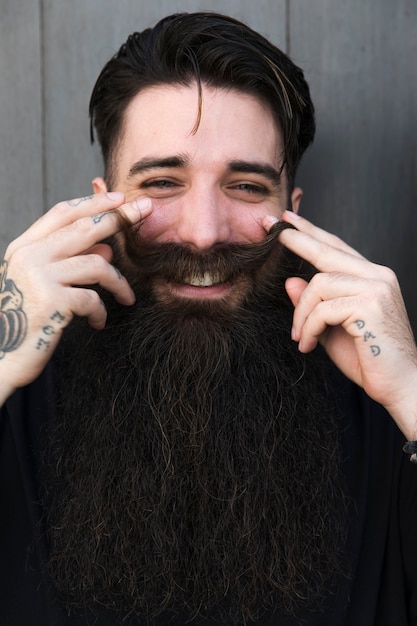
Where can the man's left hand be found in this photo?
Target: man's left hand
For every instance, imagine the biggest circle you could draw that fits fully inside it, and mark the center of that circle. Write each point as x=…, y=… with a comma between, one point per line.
x=355, y=309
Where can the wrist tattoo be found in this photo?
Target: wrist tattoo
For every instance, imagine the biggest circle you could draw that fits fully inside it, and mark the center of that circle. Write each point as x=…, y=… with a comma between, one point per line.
x=13, y=320
x=368, y=336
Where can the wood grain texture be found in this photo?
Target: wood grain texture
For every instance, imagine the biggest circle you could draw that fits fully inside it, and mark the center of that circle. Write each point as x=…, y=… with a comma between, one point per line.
x=360, y=177
x=21, y=160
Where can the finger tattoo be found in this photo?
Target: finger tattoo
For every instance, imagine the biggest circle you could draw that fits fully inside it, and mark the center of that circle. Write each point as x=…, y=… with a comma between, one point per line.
x=367, y=336
x=44, y=341
x=77, y=201
x=97, y=218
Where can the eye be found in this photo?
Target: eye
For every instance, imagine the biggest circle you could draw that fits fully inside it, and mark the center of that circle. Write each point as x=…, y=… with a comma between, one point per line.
x=161, y=183
x=251, y=188
x=251, y=192
x=160, y=187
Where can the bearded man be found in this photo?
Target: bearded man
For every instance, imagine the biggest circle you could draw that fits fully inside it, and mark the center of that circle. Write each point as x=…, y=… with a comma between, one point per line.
x=190, y=453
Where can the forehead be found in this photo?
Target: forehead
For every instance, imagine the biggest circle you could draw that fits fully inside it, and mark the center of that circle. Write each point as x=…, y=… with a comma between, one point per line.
x=222, y=125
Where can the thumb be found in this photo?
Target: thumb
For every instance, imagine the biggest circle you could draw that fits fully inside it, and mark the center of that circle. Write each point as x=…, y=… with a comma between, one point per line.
x=294, y=287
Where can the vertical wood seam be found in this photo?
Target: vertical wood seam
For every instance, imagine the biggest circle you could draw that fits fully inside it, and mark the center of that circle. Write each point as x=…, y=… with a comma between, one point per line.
x=42, y=80
x=287, y=28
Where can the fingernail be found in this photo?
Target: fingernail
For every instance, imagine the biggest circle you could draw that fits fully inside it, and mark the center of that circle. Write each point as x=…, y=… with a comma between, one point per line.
x=292, y=215
x=116, y=196
x=269, y=221
x=142, y=204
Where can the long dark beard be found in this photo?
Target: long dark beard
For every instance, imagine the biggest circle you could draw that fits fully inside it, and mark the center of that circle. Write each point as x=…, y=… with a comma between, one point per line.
x=193, y=468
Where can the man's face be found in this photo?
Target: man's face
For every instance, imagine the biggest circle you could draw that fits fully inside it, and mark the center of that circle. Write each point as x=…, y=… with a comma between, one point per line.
x=210, y=184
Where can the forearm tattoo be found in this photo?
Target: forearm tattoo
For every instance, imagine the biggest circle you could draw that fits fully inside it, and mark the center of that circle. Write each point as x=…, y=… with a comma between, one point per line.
x=368, y=336
x=13, y=320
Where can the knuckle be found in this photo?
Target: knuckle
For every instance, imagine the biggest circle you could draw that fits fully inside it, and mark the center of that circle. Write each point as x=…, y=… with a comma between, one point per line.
x=35, y=276
x=14, y=247
x=10, y=250
x=81, y=228
x=336, y=241
x=96, y=263
x=318, y=280
x=18, y=255
x=90, y=299
x=376, y=300
x=388, y=275
x=81, y=225
x=61, y=208
x=322, y=252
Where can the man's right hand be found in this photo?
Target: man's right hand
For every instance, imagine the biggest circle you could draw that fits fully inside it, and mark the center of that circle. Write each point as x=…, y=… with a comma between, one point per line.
x=42, y=278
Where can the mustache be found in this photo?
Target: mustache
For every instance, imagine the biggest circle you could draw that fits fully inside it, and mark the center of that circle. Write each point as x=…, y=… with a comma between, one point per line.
x=177, y=262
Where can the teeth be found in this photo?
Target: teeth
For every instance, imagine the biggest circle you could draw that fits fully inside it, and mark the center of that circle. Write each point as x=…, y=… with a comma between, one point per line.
x=205, y=280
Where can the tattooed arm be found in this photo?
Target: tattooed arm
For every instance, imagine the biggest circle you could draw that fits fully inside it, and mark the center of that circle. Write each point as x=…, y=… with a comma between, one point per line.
x=354, y=308
x=41, y=280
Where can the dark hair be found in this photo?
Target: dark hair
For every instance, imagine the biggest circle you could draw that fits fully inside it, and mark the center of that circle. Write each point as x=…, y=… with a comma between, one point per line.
x=207, y=48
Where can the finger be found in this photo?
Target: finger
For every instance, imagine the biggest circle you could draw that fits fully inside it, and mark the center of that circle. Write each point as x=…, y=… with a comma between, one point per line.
x=67, y=212
x=335, y=312
x=327, y=287
x=103, y=250
x=320, y=234
x=325, y=257
x=294, y=287
x=87, y=303
x=79, y=236
x=93, y=269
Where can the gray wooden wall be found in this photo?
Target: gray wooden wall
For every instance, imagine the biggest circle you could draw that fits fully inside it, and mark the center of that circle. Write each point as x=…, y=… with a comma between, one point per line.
x=360, y=57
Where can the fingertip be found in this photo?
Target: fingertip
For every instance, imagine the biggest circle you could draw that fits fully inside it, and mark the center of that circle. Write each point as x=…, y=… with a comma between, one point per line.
x=292, y=283
x=294, y=286
x=103, y=249
x=98, y=323
x=116, y=196
x=268, y=221
x=142, y=206
x=291, y=216
x=302, y=347
x=129, y=299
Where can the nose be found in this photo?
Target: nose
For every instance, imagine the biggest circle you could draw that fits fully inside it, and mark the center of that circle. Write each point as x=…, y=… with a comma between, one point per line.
x=203, y=219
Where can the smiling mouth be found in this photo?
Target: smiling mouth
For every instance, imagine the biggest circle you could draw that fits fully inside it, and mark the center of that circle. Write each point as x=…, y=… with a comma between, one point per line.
x=202, y=285
x=204, y=280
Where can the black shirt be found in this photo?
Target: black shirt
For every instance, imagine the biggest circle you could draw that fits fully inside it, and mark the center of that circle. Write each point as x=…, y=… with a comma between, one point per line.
x=382, y=542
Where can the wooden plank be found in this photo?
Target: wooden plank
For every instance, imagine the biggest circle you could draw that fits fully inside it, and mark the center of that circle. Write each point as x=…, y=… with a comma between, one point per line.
x=79, y=38
x=360, y=178
x=20, y=118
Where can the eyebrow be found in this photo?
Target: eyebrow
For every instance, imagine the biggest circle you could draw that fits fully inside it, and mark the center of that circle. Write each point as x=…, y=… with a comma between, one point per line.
x=157, y=163
x=246, y=167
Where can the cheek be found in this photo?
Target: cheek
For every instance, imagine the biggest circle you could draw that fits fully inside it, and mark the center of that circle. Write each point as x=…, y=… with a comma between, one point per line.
x=249, y=231
x=159, y=226
x=244, y=223
x=247, y=225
